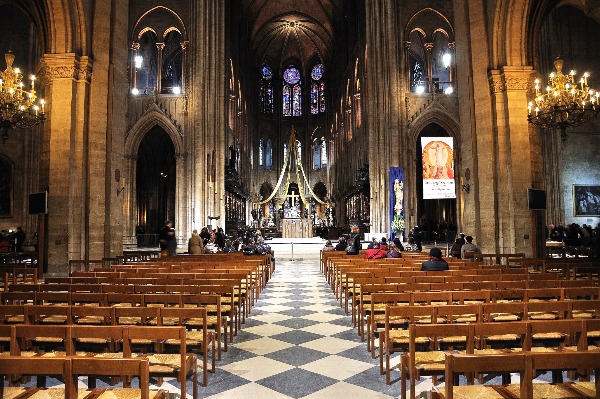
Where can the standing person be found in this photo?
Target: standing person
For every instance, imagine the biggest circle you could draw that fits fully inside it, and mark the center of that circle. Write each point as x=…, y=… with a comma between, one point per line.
x=195, y=244
x=418, y=237
x=435, y=262
x=166, y=238
x=20, y=239
x=353, y=241
x=205, y=235
x=220, y=238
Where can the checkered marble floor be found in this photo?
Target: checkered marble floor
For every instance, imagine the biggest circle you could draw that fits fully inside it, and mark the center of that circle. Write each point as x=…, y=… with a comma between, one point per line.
x=298, y=343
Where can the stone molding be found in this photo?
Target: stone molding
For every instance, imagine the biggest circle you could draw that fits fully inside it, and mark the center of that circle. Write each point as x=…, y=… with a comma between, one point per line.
x=511, y=78
x=64, y=66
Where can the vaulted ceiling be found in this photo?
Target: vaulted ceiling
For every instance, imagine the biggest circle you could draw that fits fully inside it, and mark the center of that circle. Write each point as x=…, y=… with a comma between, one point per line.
x=291, y=29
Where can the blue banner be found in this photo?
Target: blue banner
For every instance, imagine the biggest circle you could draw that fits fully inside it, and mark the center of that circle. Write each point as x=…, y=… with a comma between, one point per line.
x=396, y=198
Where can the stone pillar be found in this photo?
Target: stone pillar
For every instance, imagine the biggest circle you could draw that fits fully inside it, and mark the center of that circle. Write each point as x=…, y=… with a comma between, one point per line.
x=184, y=74
x=384, y=105
x=519, y=159
x=428, y=57
x=134, y=52
x=160, y=47
x=205, y=133
x=63, y=171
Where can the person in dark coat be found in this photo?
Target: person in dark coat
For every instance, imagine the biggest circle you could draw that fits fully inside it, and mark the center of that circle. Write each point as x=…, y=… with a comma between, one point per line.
x=435, y=262
x=341, y=245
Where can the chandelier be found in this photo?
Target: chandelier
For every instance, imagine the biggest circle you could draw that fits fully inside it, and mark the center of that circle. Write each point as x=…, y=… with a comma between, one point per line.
x=564, y=102
x=17, y=105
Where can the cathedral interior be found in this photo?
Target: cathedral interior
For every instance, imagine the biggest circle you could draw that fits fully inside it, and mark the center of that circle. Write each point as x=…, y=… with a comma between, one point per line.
x=228, y=113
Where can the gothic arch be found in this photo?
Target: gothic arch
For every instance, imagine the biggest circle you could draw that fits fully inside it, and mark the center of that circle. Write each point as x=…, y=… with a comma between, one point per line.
x=62, y=25
x=442, y=118
x=162, y=20
x=152, y=118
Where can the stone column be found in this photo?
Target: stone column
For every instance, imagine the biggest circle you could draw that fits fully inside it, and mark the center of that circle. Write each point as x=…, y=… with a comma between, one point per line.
x=160, y=47
x=134, y=52
x=519, y=159
x=63, y=171
x=184, y=74
x=383, y=90
x=205, y=135
x=428, y=57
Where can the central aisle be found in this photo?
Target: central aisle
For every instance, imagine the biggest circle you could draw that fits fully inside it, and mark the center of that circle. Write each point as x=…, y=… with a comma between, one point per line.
x=298, y=343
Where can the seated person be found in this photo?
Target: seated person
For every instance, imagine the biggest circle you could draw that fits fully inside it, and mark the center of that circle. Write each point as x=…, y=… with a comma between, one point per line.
x=435, y=262
x=412, y=245
x=373, y=244
x=328, y=246
x=393, y=252
x=341, y=245
x=455, y=249
x=469, y=250
x=383, y=244
x=377, y=252
x=398, y=244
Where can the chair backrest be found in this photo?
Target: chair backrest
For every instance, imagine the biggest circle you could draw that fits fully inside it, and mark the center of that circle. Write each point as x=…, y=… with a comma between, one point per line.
x=505, y=363
x=112, y=367
x=42, y=366
x=518, y=329
x=52, y=335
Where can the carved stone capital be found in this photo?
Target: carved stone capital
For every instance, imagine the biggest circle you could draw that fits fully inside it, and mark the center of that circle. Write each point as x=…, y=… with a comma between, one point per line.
x=518, y=78
x=497, y=82
x=84, y=69
x=56, y=66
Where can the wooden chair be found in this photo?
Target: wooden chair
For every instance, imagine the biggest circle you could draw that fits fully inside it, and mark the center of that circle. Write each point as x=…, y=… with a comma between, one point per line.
x=428, y=345
x=217, y=321
x=456, y=364
x=394, y=338
x=197, y=337
x=115, y=367
x=504, y=311
x=39, y=339
x=12, y=314
x=12, y=367
x=559, y=362
x=179, y=365
x=376, y=317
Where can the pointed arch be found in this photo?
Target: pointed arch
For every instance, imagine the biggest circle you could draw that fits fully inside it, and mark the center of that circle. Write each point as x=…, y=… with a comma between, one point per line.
x=152, y=118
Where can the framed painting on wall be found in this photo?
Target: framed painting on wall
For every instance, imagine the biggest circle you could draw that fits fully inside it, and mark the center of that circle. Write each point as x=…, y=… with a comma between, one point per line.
x=586, y=200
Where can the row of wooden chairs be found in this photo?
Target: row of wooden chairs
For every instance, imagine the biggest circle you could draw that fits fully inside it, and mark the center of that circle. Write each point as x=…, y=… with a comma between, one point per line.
x=527, y=364
x=69, y=369
x=428, y=343
x=393, y=327
x=172, y=350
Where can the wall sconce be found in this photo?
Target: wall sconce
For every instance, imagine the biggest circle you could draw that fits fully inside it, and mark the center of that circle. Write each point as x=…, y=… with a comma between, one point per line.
x=466, y=188
x=120, y=182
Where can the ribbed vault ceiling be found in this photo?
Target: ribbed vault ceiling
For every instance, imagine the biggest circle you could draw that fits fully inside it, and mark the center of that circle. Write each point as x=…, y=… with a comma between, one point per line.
x=291, y=29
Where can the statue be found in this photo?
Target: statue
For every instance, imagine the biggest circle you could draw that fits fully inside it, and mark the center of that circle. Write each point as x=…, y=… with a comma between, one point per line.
x=399, y=192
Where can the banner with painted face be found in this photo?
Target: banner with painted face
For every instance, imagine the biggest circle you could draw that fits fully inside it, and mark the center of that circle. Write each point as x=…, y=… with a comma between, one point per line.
x=438, y=167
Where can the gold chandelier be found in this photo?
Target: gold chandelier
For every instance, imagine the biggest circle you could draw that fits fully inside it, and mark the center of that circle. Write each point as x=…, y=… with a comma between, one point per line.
x=18, y=108
x=564, y=102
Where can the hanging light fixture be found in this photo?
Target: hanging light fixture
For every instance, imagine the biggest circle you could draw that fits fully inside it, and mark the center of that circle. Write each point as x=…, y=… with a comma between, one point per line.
x=564, y=102
x=18, y=108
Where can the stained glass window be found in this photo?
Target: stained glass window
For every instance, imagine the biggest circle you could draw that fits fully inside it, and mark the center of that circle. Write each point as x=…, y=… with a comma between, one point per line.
x=292, y=92
x=297, y=103
x=317, y=72
x=314, y=98
x=287, y=106
x=323, y=152
x=269, y=155
x=317, y=90
x=316, y=155
x=260, y=152
x=266, y=89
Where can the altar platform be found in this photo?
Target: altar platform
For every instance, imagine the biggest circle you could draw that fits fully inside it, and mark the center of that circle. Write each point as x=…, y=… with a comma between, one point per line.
x=297, y=248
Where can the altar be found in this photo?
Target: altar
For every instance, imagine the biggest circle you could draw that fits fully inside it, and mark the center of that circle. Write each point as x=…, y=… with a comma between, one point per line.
x=296, y=228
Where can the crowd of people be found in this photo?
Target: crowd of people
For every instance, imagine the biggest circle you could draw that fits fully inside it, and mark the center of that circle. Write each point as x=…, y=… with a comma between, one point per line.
x=12, y=240
x=574, y=235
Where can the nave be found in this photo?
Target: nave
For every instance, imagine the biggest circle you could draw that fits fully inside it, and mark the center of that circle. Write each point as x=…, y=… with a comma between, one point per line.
x=298, y=343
